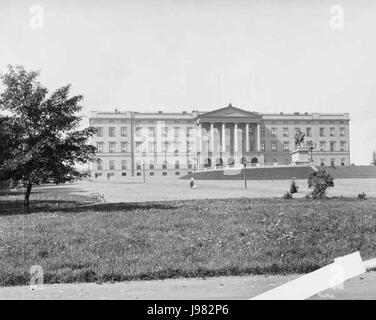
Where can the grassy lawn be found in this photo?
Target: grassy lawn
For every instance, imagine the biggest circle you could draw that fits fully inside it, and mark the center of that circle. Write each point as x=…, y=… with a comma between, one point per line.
x=194, y=238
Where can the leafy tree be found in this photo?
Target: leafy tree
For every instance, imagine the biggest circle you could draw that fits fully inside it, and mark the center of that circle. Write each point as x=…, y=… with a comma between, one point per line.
x=319, y=182
x=46, y=145
x=374, y=158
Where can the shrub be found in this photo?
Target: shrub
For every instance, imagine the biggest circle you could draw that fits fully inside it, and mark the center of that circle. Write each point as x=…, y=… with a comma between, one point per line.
x=293, y=187
x=361, y=196
x=319, y=182
x=287, y=195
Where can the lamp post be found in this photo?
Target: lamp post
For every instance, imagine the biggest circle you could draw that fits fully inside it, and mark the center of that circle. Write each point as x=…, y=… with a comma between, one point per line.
x=244, y=162
x=311, y=147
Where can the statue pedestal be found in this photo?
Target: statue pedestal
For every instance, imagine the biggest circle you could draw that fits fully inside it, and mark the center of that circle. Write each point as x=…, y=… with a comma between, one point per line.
x=300, y=155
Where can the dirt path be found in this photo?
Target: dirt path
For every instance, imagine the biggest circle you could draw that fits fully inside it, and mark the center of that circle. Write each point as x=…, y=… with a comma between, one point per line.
x=226, y=288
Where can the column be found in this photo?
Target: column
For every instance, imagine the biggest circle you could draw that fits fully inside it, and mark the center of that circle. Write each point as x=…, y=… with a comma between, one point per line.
x=199, y=138
x=223, y=137
x=247, y=137
x=258, y=138
x=212, y=137
x=235, y=137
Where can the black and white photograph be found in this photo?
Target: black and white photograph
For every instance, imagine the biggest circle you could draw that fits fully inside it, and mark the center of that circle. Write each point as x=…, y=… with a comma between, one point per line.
x=197, y=150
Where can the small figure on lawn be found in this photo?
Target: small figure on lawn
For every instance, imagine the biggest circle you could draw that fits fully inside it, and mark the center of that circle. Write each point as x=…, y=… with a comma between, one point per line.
x=293, y=188
x=192, y=182
x=108, y=176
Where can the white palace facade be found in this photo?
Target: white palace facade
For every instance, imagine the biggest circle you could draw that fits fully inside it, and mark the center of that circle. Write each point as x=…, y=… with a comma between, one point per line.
x=133, y=143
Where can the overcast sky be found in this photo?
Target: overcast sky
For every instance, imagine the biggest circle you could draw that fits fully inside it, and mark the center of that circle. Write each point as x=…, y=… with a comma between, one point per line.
x=265, y=56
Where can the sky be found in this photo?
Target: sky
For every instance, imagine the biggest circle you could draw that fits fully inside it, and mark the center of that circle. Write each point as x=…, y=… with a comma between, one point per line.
x=150, y=55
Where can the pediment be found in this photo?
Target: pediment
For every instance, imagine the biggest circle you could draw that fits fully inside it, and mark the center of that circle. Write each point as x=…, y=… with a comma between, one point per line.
x=228, y=112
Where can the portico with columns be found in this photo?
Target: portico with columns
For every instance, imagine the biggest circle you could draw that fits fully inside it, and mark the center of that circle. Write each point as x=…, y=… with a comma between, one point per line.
x=227, y=135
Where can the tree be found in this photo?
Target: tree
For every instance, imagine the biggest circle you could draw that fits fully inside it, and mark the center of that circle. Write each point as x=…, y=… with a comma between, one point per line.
x=374, y=158
x=320, y=181
x=46, y=143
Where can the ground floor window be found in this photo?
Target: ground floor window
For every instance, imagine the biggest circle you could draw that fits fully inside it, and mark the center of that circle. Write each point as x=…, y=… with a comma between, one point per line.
x=343, y=162
x=322, y=162
x=138, y=174
x=99, y=174
x=123, y=174
x=177, y=173
x=164, y=173
x=152, y=173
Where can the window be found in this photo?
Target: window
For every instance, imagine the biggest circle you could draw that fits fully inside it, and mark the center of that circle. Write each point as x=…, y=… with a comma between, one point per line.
x=176, y=147
x=322, y=132
x=262, y=131
x=124, y=146
x=138, y=146
x=177, y=173
x=123, y=174
x=124, y=131
x=177, y=165
x=189, y=146
x=332, y=146
x=151, y=146
x=286, y=146
x=297, y=130
x=274, y=146
x=262, y=146
x=164, y=173
x=151, y=166
x=164, y=165
x=99, y=132
x=274, y=132
x=151, y=173
x=285, y=132
x=138, y=132
x=138, y=165
x=112, y=147
x=164, y=131
x=322, y=162
x=99, y=165
x=111, y=131
x=322, y=145
x=331, y=132
x=112, y=164
x=152, y=132
x=189, y=132
x=343, y=145
x=189, y=164
x=309, y=132
x=332, y=162
x=164, y=146
x=138, y=174
x=124, y=164
x=342, y=132
x=99, y=146
x=343, y=161
x=176, y=132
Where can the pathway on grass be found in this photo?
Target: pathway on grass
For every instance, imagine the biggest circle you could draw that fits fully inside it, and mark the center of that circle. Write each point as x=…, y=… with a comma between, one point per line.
x=226, y=288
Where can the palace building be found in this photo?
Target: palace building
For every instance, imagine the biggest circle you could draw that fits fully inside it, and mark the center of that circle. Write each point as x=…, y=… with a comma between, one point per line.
x=133, y=143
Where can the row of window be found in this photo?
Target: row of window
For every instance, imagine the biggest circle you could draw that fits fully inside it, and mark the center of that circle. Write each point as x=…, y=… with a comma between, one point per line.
x=140, y=166
x=333, y=162
x=124, y=174
x=189, y=146
x=308, y=132
x=140, y=147
x=139, y=131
